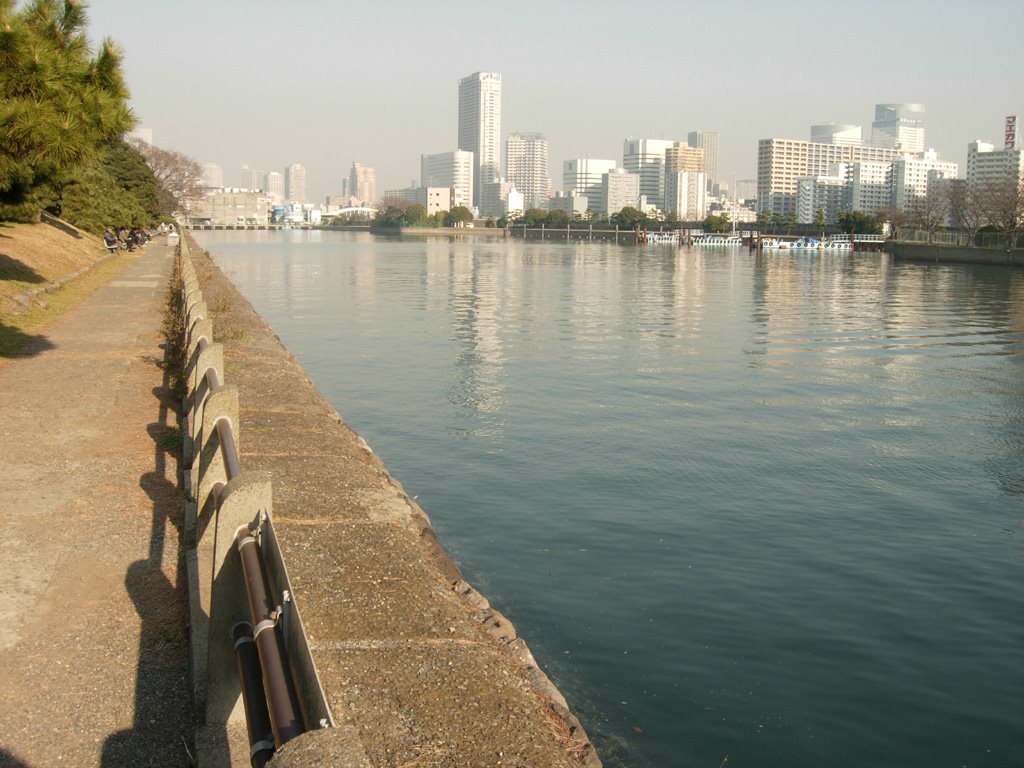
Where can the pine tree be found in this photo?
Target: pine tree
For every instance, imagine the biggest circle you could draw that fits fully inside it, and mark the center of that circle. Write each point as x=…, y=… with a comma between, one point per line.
x=58, y=103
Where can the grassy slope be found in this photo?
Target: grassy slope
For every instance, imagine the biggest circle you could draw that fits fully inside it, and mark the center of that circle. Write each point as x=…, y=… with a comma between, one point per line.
x=33, y=256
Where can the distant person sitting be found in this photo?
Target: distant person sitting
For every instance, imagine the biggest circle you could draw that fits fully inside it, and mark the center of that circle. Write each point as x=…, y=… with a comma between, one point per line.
x=109, y=240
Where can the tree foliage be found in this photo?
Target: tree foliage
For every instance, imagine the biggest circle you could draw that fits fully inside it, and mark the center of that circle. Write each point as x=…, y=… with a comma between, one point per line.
x=629, y=218
x=859, y=222
x=117, y=190
x=717, y=223
x=179, y=178
x=59, y=104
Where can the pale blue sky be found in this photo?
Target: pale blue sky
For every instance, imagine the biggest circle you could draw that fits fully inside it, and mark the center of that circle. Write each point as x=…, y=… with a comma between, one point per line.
x=325, y=83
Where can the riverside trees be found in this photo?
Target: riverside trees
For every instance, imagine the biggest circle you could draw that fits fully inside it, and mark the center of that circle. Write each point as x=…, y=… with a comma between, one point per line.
x=59, y=105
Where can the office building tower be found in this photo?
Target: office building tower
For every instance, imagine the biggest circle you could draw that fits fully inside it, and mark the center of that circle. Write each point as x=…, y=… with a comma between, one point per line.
x=213, y=175
x=827, y=195
x=450, y=169
x=295, y=183
x=583, y=176
x=273, y=183
x=834, y=133
x=708, y=141
x=362, y=184
x=646, y=158
x=899, y=127
x=619, y=189
x=526, y=167
x=480, y=128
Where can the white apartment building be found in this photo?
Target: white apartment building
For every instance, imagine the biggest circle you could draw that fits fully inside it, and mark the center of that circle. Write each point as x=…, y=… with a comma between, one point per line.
x=899, y=127
x=273, y=183
x=708, y=141
x=450, y=169
x=295, y=183
x=249, y=178
x=782, y=162
x=987, y=165
x=573, y=204
x=362, y=184
x=910, y=177
x=480, y=129
x=618, y=190
x=835, y=133
x=686, y=195
x=828, y=194
x=526, y=167
x=583, y=176
x=646, y=158
x=213, y=175
x=870, y=186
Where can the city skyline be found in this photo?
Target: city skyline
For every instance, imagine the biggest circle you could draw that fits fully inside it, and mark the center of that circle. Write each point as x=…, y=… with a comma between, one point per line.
x=739, y=82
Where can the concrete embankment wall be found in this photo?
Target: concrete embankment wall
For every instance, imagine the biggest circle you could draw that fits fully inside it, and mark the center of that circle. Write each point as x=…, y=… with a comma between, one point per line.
x=416, y=667
x=955, y=254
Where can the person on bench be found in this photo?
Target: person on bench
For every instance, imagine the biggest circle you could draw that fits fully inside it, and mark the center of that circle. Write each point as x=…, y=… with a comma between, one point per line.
x=110, y=240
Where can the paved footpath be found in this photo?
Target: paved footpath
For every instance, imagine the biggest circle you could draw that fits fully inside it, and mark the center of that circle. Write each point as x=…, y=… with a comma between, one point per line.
x=93, y=644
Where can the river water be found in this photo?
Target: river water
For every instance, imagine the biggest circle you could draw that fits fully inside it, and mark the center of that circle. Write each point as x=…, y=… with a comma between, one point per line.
x=746, y=512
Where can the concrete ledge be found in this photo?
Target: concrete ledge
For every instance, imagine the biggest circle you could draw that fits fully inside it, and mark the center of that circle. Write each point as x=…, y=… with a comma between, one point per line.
x=955, y=254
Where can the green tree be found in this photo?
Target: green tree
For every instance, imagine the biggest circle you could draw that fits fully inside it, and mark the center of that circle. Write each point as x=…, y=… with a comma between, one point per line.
x=415, y=215
x=819, y=218
x=558, y=218
x=629, y=218
x=460, y=214
x=717, y=223
x=534, y=217
x=860, y=223
x=58, y=103
x=118, y=189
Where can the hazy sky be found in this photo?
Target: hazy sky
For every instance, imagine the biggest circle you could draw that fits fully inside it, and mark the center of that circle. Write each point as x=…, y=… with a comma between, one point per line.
x=326, y=83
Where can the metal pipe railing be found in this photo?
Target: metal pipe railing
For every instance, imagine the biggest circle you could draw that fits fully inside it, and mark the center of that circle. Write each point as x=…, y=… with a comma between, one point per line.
x=282, y=699
x=254, y=701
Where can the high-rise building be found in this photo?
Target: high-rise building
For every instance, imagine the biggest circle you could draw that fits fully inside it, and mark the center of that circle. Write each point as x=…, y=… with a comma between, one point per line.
x=213, y=175
x=450, y=169
x=480, y=128
x=986, y=165
x=646, y=158
x=899, y=126
x=681, y=158
x=273, y=183
x=362, y=184
x=870, y=185
x=295, y=183
x=582, y=176
x=911, y=176
x=833, y=133
x=619, y=189
x=708, y=141
x=250, y=178
x=781, y=162
x=825, y=194
x=526, y=167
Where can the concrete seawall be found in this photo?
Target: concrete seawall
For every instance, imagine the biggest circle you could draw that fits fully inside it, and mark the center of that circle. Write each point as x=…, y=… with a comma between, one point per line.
x=417, y=667
x=955, y=254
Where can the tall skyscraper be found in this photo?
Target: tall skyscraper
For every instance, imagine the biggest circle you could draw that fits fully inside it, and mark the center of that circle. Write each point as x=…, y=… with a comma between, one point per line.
x=684, y=172
x=899, y=127
x=295, y=183
x=453, y=170
x=526, y=167
x=274, y=186
x=646, y=158
x=213, y=175
x=708, y=141
x=584, y=176
x=480, y=128
x=362, y=184
x=250, y=178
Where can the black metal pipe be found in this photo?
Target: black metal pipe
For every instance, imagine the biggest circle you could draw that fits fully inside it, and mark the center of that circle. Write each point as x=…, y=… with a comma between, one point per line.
x=282, y=698
x=250, y=678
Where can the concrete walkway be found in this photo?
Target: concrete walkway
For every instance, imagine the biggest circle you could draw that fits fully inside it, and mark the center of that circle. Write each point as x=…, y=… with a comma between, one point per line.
x=93, y=640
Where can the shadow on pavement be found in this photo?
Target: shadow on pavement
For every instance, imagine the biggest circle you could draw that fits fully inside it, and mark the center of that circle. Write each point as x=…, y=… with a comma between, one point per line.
x=163, y=730
x=7, y=760
x=16, y=343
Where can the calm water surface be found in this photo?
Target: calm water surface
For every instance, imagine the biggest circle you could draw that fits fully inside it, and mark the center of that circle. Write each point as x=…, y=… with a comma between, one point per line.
x=769, y=511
